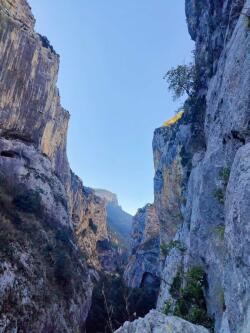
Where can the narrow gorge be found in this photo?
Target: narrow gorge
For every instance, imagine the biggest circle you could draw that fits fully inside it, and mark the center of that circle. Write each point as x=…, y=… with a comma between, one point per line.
x=71, y=260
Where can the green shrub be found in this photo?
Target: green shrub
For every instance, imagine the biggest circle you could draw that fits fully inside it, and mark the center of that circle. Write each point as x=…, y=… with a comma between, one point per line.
x=193, y=290
x=224, y=175
x=248, y=20
x=220, y=231
x=181, y=80
x=219, y=195
x=166, y=248
x=196, y=315
x=221, y=296
x=190, y=302
x=196, y=275
x=181, y=308
x=175, y=288
x=167, y=307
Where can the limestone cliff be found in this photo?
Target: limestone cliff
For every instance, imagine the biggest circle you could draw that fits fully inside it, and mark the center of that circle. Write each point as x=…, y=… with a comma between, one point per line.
x=50, y=224
x=202, y=177
x=143, y=265
x=53, y=232
x=159, y=323
x=200, y=166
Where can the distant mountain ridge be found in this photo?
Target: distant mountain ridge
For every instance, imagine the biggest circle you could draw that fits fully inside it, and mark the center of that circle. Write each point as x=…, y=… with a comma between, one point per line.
x=107, y=196
x=118, y=221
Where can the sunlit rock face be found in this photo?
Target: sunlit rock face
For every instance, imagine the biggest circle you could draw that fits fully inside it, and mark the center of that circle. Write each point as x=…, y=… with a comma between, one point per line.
x=143, y=265
x=46, y=264
x=89, y=218
x=168, y=146
x=18, y=10
x=30, y=103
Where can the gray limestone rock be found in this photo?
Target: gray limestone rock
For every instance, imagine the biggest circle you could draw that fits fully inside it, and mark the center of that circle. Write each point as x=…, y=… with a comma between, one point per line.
x=144, y=263
x=156, y=322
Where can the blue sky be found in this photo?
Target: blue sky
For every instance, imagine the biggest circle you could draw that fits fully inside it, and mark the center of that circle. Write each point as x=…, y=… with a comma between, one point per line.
x=114, y=54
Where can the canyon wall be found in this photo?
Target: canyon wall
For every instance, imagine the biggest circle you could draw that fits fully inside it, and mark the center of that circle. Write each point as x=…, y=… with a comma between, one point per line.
x=194, y=239
x=51, y=224
x=143, y=266
x=213, y=199
x=202, y=177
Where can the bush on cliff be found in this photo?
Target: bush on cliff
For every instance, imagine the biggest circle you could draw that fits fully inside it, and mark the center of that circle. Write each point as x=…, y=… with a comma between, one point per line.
x=188, y=298
x=166, y=248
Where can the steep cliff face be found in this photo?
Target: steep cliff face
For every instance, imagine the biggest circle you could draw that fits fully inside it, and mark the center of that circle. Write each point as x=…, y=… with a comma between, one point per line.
x=50, y=224
x=53, y=231
x=210, y=195
x=202, y=180
x=143, y=265
x=30, y=103
x=89, y=218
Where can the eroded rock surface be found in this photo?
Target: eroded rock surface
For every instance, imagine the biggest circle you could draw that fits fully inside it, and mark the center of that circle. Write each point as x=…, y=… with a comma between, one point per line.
x=46, y=263
x=156, y=322
x=210, y=201
x=143, y=265
x=201, y=174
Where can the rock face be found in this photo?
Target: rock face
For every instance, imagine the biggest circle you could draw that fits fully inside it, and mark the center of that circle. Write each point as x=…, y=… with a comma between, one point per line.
x=201, y=181
x=53, y=232
x=156, y=322
x=119, y=222
x=30, y=98
x=108, y=196
x=89, y=218
x=50, y=224
x=202, y=175
x=143, y=266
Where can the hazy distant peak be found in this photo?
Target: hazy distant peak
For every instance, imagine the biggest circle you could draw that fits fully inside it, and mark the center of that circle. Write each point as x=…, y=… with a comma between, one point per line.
x=108, y=196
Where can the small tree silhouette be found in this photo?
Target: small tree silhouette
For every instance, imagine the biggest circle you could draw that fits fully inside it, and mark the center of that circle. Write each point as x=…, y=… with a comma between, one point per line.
x=181, y=80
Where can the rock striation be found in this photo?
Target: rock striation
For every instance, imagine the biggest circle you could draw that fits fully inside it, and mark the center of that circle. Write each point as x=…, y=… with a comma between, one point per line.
x=89, y=218
x=196, y=161
x=143, y=265
x=50, y=224
x=54, y=237
x=201, y=181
